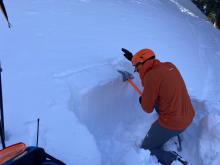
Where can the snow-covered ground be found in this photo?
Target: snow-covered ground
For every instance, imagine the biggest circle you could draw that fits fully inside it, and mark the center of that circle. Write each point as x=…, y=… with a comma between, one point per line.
x=60, y=62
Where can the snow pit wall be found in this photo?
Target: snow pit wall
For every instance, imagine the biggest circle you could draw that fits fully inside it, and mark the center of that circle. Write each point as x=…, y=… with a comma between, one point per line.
x=106, y=105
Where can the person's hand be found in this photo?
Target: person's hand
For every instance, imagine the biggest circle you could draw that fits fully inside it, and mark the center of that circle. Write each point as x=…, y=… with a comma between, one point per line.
x=128, y=55
x=140, y=99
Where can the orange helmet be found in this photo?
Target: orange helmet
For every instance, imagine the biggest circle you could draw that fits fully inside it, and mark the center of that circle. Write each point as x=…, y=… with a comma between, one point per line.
x=142, y=56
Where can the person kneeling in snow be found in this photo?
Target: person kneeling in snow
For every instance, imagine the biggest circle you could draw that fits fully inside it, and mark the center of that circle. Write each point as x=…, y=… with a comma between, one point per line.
x=164, y=90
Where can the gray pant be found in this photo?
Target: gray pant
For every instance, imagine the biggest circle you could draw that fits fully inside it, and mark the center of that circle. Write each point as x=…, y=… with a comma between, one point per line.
x=155, y=139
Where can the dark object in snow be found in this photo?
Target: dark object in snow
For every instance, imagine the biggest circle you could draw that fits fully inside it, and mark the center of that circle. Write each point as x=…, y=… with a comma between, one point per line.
x=180, y=159
x=2, y=128
x=140, y=99
x=2, y=7
x=128, y=55
x=179, y=148
x=19, y=154
x=38, y=123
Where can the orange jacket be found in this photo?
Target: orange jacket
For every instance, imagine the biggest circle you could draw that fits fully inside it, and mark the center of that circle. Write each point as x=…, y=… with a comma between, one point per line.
x=165, y=87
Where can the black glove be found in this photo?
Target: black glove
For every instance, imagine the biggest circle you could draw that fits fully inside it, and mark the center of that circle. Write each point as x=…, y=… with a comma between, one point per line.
x=128, y=55
x=140, y=99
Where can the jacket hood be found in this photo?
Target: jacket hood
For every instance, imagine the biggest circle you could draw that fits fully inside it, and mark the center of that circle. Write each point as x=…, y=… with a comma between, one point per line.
x=147, y=66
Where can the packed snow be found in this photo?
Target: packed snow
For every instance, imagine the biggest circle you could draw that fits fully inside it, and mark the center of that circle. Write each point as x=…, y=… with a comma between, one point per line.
x=60, y=62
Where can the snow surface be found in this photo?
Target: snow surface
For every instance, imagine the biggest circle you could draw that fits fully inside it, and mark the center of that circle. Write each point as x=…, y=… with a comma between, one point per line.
x=60, y=62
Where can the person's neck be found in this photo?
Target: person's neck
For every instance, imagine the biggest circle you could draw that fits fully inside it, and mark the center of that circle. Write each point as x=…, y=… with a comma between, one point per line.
x=147, y=66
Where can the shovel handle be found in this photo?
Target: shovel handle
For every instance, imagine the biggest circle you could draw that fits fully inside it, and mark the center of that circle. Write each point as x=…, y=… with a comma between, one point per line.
x=135, y=87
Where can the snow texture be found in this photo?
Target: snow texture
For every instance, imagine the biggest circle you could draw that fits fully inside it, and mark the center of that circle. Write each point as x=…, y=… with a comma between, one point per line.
x=60, y=62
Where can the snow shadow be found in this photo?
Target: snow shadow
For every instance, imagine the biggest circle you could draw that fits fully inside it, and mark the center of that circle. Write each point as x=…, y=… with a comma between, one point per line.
x=112, y=114
x=110, y=110
x=202, y=138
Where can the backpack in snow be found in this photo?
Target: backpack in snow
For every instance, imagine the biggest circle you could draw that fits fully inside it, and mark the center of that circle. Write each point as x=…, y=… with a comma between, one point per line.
x=19, y=154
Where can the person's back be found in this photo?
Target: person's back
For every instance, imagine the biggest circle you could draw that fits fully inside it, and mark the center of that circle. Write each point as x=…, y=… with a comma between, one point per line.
x=175, y=108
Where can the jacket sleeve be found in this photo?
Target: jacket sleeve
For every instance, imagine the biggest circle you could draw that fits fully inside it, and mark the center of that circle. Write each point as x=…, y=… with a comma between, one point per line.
x=150, y=94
